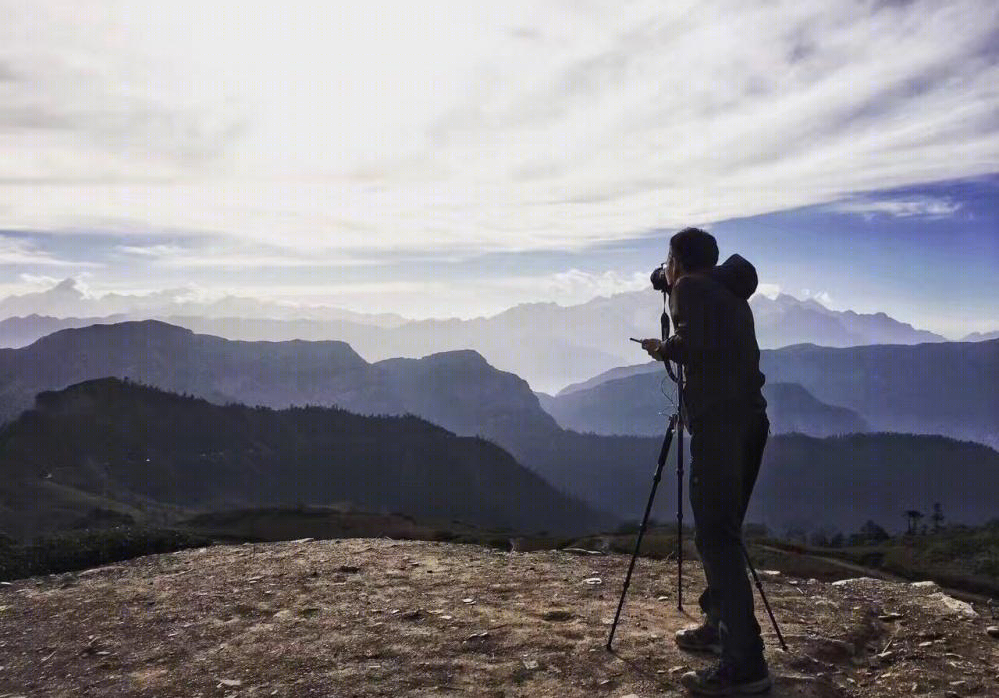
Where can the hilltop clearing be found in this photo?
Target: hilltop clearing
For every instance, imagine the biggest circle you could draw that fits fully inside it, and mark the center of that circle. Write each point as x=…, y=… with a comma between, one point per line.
x=374, y=617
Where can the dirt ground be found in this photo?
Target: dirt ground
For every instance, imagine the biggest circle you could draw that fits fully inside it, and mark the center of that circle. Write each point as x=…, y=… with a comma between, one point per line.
x=376, y=617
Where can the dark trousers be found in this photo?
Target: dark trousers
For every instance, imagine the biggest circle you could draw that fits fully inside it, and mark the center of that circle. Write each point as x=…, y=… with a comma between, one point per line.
x=726, y=448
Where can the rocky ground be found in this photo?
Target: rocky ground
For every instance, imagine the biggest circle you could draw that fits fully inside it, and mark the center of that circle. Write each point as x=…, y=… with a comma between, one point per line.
x=375, y=617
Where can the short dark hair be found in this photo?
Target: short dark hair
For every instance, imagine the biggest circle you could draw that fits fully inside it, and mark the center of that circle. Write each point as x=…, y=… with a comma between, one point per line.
x=694, y=248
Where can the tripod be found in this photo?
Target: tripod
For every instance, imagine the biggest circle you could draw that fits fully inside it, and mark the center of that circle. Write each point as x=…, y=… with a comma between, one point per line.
x=676, y=426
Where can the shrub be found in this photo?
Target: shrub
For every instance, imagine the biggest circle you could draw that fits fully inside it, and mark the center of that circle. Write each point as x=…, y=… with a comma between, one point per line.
x=78, y=550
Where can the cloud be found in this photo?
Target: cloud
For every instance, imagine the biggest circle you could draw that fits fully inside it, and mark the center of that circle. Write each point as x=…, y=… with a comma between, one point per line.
x=771, y=291
x=20, y=252
x=90, y=92
x=922, y=206
x=228, y=255
x=358, y=128
x=38, y=280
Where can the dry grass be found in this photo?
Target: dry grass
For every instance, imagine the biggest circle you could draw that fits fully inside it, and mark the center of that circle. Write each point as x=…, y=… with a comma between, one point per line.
x=373, y=617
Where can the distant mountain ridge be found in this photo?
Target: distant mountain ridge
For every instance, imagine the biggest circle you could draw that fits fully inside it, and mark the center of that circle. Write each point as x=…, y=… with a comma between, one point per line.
x=129, y=444
x=635, y=405
x=981, y=336
x=458, y=390
x=547, y=344
x=66, y=299
x=944, y=388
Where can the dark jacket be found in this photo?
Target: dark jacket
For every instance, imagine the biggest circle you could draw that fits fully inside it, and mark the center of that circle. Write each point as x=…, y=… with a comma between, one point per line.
x=715, y=339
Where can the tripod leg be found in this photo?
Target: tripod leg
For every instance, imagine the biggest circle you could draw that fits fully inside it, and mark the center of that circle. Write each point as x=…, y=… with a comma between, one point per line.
x=766, y=604
x=679, y=516
x=645, y=520
x=679, y=489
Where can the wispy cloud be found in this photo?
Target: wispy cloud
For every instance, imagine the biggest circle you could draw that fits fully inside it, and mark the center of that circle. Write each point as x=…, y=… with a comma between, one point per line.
x=924, y=206
x=503, y=126
x=229, y=255
x=22, y=252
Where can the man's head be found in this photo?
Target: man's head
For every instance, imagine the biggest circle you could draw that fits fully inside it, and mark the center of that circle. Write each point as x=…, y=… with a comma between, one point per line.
x=690, y=251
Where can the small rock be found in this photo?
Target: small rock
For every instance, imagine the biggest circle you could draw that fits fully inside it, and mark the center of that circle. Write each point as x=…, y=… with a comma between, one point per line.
x=477, y=636
x=926, y=643
x=593, y=581
x=582, y=551
x=993, y=630
x=857, y=582
x=924, y=585
x=889, y=617
x=530, y=664
x=468, y=600
x=231, y=683
x=348, y=569
x=950, y=605
x=662, y=598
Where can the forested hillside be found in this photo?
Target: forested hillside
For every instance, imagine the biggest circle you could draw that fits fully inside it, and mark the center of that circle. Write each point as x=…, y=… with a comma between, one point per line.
x=135, y=445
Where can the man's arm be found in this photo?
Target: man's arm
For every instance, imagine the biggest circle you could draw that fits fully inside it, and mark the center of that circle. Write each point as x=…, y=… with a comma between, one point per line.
x=690, y=334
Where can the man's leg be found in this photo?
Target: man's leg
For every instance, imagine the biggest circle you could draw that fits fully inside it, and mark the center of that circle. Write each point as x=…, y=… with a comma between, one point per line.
x=757, y=441
x=717, y=492
x=706, y=637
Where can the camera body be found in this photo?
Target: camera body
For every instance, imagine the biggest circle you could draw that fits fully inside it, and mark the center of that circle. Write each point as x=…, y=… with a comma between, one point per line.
x=659, y=281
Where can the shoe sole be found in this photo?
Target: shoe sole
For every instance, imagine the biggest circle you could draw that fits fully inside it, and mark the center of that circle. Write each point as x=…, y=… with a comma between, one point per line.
x=752, y=688
x=708, y=649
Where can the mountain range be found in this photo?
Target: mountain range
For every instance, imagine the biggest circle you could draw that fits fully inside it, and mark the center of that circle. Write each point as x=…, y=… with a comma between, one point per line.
x=128, y=447
x=458, y=390
x=547, y=344
x=464, y=394
x=944, y=388
x=637, y=405
x=67, y=299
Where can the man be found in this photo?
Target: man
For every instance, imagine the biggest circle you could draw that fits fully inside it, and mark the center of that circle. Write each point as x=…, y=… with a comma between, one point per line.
x=715, y=341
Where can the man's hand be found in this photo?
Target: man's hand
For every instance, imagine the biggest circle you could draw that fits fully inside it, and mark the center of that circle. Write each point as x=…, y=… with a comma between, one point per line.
x=652, y=346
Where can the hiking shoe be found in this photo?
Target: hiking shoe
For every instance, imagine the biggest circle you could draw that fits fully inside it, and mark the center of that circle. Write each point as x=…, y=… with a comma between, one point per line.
x=725, y=679
x=703, y=638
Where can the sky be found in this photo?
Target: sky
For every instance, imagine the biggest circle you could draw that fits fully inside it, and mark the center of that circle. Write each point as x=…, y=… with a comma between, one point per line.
x=455, y=158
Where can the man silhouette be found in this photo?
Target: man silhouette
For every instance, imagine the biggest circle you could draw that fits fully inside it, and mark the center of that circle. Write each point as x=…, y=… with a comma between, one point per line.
x=715, y=341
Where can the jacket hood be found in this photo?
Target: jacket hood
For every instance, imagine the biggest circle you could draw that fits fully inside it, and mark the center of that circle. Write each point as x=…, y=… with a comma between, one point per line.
x=737, y=275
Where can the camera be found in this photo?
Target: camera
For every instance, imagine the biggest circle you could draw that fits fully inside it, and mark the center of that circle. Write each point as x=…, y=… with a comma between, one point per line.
x=658, y=279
